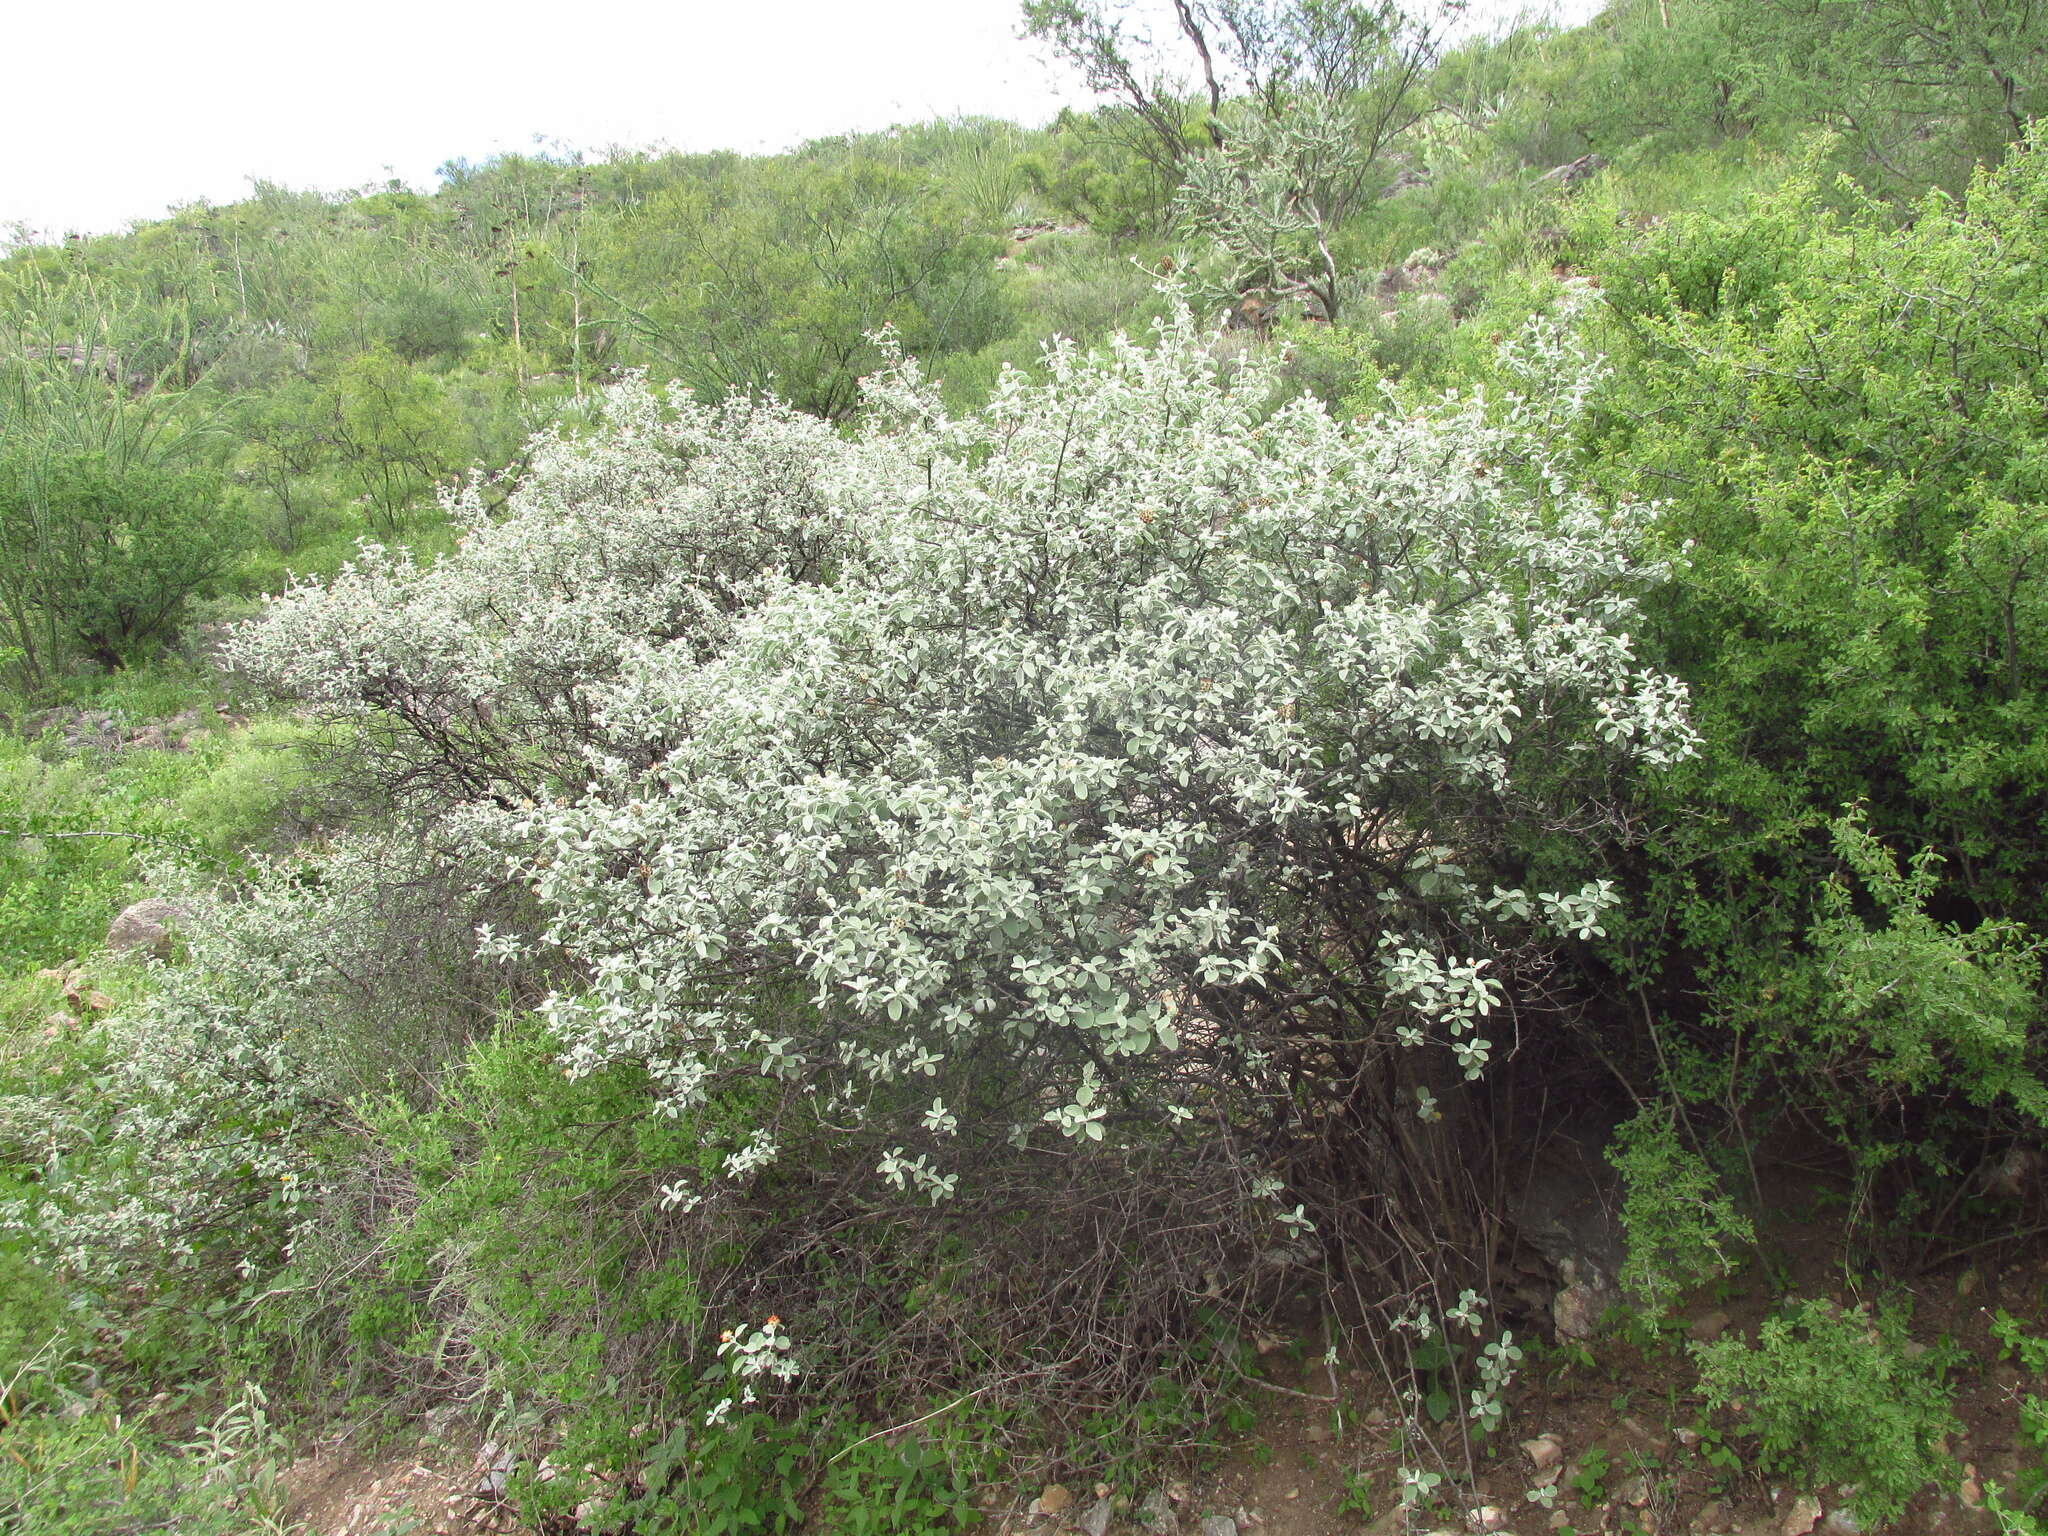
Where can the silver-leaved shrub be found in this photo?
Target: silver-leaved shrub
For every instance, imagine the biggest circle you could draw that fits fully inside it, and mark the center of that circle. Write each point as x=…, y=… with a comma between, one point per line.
x=477, y=671
x=217, y=1134
x=1131, y=752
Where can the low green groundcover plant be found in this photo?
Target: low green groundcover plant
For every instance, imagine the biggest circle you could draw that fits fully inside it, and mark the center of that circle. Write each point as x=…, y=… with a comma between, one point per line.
x=1832, y=1394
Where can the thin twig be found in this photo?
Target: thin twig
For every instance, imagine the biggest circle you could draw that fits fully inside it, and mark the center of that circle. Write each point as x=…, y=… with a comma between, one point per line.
x=1274, y=1386
x=963, y=1397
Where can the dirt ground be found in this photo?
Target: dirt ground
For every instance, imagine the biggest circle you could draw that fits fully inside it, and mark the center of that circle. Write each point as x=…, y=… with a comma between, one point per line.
x=1609, y=1428
x=336, y=1489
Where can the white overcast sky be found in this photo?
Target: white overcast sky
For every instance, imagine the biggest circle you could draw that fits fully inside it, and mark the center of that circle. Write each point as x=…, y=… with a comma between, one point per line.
x=120, y=109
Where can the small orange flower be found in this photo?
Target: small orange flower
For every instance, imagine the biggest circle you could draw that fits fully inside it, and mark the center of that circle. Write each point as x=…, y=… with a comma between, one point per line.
x=773, y=1319
x=725, y=1337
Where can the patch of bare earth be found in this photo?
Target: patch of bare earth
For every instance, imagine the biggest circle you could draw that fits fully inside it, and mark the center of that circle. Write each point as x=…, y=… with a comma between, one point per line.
x=340, y=1489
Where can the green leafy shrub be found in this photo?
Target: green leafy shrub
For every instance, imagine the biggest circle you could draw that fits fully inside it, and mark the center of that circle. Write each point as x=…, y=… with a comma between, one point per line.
x=319, y=978
x=77, y=832
x=526, y=1246
x=107, y=556
x=35, y=1330
x=60, y=881
x=2017, y=1506
x=1920, y=1003
x=238, y=794
x=740, y=1479
x=1840, y=418
x=778, y=277
x=1677, y=1218
x=1832, y=1394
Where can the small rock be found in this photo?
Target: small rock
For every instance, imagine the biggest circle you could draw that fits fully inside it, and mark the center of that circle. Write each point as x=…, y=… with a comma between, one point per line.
x=1709, y=1326
x=1096, y=1521
x=1487, y=1518
x=1055, y=1500
x=1635, y=1493
x=1576, y=1310
x=1711, y=1518
x=1576, y=171
x=1559, y=1520
x=1155, y=1515
x=1318, y=1434
x=496, y=1480
x=1842, y=1522
x=1218, y=1525
x=2013, y=1176
x=1543, y=1452
x=1401, y=183
x=1971, y=1492
x=1803, y=1516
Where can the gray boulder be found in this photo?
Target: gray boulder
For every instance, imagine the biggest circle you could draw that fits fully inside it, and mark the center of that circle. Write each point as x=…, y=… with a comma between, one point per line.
x=148, y=926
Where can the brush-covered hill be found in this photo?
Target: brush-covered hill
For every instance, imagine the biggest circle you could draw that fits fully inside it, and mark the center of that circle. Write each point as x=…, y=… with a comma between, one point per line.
x=826, y=833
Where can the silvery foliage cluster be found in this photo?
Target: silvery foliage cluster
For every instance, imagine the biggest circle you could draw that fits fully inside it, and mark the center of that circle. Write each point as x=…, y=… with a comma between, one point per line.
x=298, y=991
x=754, y=1357
x=1134, y=723
x=655, y=532
x=1496, y=1362
x=1495, y=1367
x=1058, y=771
